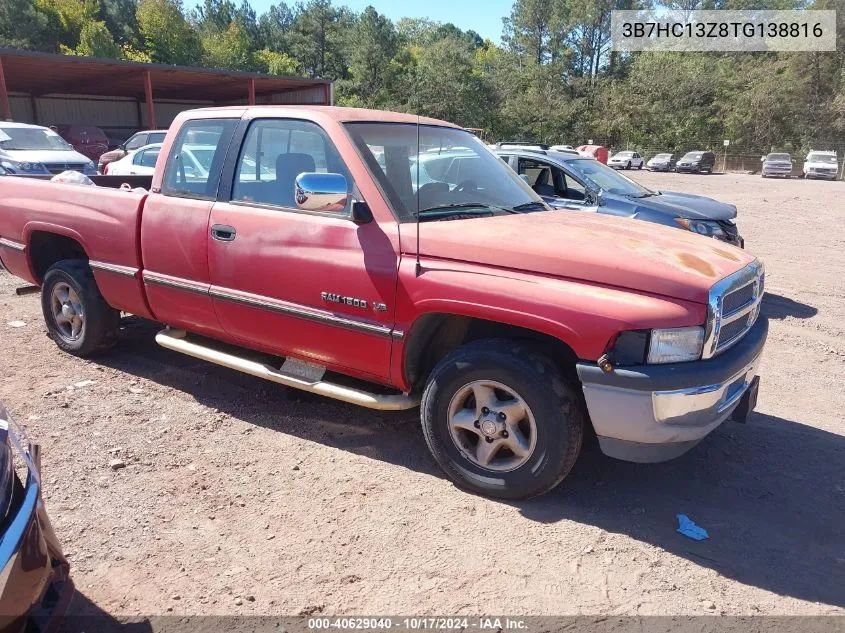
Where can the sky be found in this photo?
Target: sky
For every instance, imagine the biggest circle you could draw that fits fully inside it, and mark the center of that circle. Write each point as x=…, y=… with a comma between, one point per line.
x=482, y=16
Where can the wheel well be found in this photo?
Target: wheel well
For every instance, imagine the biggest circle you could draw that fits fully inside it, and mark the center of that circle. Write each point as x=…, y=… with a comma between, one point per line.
x=48, y=248
x=435, y=335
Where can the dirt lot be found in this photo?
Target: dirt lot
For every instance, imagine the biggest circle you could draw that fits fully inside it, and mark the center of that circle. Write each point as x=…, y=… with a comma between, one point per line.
x=242, y=497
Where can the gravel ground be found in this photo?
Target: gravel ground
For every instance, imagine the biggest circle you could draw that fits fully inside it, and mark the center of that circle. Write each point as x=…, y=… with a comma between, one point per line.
x=242, y=497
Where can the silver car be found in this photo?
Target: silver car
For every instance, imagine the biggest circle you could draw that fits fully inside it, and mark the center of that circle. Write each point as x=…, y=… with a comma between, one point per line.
x=776, y=164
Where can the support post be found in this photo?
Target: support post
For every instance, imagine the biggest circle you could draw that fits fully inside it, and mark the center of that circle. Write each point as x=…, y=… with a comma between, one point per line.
x=251, y=99
x=148, y=95
x=5, y=106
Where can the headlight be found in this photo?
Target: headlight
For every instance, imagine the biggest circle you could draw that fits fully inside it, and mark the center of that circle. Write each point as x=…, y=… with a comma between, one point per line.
x=707, y=228
x=675, y=345
x=23, y=167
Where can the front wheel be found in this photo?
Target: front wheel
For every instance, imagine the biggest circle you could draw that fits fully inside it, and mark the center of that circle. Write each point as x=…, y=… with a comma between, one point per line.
x=501, y=421
x=628, y=165
x=77, y=317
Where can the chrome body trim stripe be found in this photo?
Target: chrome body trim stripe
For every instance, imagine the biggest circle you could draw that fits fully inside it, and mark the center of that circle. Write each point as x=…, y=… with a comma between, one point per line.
x=157, y=279
x=15, y=246
x=283, y=307
x=273, y=305
x=126, y=271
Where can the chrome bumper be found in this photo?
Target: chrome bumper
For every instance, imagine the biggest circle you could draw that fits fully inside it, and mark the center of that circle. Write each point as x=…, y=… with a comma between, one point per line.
x=656, y=413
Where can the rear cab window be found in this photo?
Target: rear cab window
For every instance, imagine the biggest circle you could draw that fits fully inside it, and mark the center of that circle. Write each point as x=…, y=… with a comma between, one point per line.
x=196, y=158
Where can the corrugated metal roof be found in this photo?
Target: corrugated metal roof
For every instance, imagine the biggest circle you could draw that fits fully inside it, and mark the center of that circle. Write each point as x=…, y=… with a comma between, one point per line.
x=41, y=74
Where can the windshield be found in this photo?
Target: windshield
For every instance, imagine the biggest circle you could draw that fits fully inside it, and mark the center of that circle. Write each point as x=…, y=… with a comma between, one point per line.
x=606, y=178
x=663, y=157
x=456, y=170
x=692, y=156
x=821, y=158
x=624, y=154
x=31, y=138
x=778, y=157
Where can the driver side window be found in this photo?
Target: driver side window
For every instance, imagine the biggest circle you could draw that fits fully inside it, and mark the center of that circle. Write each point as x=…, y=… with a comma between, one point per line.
x=275, y=152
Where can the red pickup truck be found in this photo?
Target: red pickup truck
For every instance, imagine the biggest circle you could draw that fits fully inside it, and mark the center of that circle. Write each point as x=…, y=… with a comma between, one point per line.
x=391, y=261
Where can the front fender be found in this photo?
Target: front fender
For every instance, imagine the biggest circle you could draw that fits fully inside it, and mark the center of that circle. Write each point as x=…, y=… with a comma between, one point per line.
x=584, y=316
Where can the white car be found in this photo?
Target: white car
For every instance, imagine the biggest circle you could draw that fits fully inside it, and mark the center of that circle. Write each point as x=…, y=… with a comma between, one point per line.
x=821, y=165
x=139, y=162
x=626, y=160
x=38, y=151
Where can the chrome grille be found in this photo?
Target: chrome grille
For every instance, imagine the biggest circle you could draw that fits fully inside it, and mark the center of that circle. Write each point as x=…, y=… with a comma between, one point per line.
x=57, y=168
x=735, y=300
x=733, y=308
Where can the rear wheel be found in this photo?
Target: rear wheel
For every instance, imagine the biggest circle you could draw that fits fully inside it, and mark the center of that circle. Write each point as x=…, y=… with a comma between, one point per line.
x=77, y=317
x=501, y=421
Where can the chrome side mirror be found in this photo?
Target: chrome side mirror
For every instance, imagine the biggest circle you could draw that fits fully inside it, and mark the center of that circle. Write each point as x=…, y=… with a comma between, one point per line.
x=315, y=191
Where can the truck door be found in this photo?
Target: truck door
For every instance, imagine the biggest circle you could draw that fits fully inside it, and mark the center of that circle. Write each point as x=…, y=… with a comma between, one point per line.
x=312, y=285
x=174, y=227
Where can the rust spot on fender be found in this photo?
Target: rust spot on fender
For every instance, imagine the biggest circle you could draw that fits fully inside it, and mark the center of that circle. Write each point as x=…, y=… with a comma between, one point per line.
x=694, y=262
x=726, y=254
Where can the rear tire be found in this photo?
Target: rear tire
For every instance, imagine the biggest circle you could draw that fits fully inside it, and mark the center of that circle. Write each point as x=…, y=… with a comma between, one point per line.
x=542, y=420
x=77, y=317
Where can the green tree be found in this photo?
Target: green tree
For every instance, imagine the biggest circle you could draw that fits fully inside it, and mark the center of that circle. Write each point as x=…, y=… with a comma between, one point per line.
x=120, y=19
x=230, y=49
x=372, y=45
x=274, y=27
x=317, y=38
x=275, y=63
x=95, y=40
x=168, y=37
x=65, y=19
x=22, y=25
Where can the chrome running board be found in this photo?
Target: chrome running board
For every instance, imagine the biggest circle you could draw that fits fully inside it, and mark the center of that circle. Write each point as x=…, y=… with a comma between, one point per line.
x=177, y=341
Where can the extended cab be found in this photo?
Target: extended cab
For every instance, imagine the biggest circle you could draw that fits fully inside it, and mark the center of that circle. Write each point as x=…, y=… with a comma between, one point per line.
x=314, y=250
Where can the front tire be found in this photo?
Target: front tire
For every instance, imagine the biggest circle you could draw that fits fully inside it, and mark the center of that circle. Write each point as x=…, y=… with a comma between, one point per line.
x=77, y=317
x=501, y=421
x=628, y=165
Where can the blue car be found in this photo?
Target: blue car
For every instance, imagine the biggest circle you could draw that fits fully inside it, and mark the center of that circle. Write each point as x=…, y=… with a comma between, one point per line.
x=567, y=181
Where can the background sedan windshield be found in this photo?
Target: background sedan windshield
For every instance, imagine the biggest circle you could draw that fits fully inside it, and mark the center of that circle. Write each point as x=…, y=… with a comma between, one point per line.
x=606, y=178
x=27, y=138
x=449, y=167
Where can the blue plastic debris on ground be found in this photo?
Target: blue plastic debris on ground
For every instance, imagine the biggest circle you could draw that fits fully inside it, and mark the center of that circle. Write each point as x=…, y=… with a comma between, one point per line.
x=688, y=528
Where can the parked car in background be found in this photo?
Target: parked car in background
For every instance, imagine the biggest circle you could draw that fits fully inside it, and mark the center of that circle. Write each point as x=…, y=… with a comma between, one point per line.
x=34, y=150
x=626, y=160
x=136, y=141
x=563, y=180
x=568, y=149
x=515, y=329
x=696, y=162
x=776, y=164
x=88, y=140
x=821, y=165
x=35, y=584
x=139, y=162
x=661, y=162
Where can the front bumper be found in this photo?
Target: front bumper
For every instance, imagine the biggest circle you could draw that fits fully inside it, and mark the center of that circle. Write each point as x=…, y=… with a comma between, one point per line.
x=653, y=413
x=777, y=171
x=688, y=168
x=659, y=167
x=814, y=173
x=35, y=584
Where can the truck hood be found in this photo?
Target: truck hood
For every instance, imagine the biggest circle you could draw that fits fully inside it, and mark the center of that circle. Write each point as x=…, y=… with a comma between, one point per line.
x=687, y=205
x=45, y=156
x=600, y=249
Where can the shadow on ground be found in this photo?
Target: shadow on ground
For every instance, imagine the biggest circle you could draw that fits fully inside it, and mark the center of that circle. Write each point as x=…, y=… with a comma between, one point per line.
x=771, y=493
x=85, y=616
x=778, y=307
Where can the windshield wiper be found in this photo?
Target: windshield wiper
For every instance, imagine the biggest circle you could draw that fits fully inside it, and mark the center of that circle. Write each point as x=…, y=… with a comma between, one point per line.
x=530, y=206
x=463, y=206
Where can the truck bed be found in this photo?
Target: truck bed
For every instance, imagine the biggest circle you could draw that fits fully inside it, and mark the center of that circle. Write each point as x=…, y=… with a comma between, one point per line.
x=39, y=219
